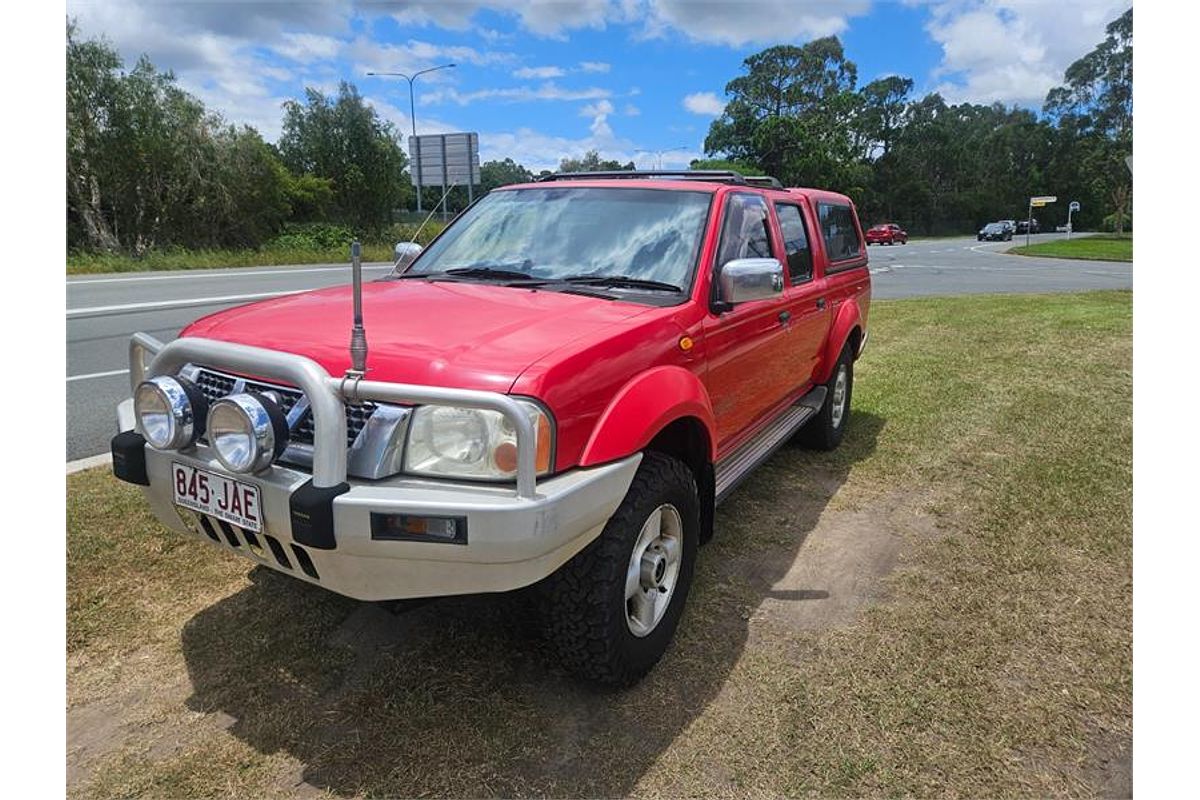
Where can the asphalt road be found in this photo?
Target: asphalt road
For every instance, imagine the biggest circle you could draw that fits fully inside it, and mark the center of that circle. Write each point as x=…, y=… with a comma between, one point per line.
x=104, y=310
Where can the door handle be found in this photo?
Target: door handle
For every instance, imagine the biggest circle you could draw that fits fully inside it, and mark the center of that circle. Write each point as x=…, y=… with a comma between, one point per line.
x=785, y=317
x=820, y=302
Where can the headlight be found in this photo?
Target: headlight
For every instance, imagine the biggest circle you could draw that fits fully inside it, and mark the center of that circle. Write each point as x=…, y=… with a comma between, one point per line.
x=169, y=411
x=453, y=442
x=247, y=430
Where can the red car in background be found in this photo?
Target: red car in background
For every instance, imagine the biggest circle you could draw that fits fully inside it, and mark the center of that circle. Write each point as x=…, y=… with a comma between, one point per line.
x=889, y=233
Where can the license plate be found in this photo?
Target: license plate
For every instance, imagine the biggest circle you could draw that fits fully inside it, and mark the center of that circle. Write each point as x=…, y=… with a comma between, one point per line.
x=218, y=496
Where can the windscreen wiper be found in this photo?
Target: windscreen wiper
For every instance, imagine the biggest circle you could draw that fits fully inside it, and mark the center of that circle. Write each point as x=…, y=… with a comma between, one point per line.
x=622, y=281
x=489, y=273
x=499, y=273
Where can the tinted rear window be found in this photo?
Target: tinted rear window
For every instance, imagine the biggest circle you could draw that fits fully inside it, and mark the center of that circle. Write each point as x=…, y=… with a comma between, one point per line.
x=839, y=231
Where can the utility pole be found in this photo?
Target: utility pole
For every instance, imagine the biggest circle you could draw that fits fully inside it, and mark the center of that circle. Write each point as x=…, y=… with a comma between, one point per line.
x=412, y=107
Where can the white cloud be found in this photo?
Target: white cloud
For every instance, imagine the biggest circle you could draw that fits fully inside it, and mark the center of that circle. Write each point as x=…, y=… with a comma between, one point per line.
x=308, y=47
x=594, y=66
x=1013, y=51
x=631, y=110
x=540, y=72
x=538, y=151
x=706, y=104
x=518, y=94
x=593, y=109
x=599, y=112
x=740, y=23
x=399, y=117
x=414, y=55
x=544, y=17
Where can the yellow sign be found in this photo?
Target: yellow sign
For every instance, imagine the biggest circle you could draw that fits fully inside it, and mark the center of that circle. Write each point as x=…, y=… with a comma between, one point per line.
x=1038, y=204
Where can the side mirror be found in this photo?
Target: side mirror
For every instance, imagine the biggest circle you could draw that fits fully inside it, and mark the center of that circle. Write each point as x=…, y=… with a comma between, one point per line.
x=744, y=279
x=406, y=253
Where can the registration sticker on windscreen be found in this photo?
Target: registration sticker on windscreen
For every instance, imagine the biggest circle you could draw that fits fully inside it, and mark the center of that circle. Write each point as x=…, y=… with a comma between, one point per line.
x=218, y=496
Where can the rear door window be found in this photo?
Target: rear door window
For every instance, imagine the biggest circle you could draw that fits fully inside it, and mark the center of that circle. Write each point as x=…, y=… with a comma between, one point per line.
x=839, y=231
x=795, y=242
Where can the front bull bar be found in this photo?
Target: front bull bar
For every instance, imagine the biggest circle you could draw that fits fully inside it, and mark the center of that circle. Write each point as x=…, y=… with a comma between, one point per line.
x=327, y=396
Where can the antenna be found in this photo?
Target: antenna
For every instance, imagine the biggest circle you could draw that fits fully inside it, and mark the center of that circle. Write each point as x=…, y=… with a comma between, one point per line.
x=432, y=212
x=358, y=334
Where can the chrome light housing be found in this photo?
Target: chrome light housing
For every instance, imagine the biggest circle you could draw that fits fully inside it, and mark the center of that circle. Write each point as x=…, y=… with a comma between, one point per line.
x=248, y=431
x=455, y=442
x=170, y=412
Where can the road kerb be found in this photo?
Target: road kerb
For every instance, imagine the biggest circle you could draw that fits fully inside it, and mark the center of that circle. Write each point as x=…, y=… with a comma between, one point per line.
x=80, y=464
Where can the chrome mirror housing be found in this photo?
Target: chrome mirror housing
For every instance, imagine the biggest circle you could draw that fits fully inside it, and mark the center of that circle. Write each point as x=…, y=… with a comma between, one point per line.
x=406, y=253
x=744, y=279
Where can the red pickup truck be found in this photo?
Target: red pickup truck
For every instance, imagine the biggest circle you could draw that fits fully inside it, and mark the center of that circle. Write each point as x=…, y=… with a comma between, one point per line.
x=555, y=394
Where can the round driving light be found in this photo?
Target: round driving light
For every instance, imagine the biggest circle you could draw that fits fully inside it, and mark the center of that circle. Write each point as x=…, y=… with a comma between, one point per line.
x=248, y=431
x=170, y=412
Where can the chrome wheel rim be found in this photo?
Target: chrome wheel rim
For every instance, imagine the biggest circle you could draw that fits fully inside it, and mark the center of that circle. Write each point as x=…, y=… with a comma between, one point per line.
x=838, y=410
x=653, y=570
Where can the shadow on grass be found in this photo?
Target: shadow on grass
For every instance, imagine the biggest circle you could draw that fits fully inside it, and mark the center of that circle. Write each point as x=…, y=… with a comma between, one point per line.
x=460, y=696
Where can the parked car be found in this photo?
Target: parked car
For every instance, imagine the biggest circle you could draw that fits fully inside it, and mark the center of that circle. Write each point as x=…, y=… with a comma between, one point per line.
x=889, y=233
x=1011, y=224
x=995, y=232
x=556, y=393
x=1031, y=225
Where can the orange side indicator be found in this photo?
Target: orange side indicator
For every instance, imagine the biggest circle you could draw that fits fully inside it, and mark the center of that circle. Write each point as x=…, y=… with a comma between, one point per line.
x=686, y=343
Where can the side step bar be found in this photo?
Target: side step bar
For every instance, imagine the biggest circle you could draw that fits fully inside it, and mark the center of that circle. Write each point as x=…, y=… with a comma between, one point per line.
x=733, y=469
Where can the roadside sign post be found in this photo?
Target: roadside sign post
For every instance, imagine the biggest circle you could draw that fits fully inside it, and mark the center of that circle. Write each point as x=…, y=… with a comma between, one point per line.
x=445, y=160
x=1071, y=209
x=1036, y=202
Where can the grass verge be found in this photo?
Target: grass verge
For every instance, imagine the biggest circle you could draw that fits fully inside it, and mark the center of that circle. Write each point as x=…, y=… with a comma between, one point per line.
x=162, y=260
x=1100, y=247
x=940, y=607
x=273, y=254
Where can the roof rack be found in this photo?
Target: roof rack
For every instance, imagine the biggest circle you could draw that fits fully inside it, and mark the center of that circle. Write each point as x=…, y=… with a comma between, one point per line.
x=764, y=180
x=714, y=175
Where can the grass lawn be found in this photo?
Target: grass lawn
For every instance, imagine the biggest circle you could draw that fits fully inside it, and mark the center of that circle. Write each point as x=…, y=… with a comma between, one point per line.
x=1101, y=247
x=940, y=607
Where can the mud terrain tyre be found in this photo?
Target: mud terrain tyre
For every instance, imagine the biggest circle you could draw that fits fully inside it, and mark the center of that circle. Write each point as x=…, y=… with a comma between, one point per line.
x=610, y=611
x=826, y=429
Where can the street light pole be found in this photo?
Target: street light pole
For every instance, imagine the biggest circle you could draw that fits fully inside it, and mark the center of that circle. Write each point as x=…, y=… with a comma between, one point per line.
x=658, y=154
x=412, y=106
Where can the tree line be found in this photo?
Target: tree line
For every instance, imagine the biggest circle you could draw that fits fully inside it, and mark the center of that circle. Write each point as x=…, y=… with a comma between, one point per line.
x=149, y=167
x=796, y=113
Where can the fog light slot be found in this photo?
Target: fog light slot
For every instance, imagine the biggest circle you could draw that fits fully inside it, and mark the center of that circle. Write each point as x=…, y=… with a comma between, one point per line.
x=418, y=528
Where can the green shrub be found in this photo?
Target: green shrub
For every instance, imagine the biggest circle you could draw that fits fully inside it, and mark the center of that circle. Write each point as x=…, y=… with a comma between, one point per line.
x=311, y=236
x=405, y=231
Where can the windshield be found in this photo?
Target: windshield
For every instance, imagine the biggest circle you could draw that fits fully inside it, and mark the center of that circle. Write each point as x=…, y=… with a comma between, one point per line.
x=561, y=232
x=992, y=227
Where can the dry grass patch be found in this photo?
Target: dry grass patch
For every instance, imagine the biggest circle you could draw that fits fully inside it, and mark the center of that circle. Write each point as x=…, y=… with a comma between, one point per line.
x=940, y=607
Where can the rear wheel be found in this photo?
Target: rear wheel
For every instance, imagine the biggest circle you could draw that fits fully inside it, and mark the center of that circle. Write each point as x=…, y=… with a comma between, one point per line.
x=611, y=611
x=826, y=429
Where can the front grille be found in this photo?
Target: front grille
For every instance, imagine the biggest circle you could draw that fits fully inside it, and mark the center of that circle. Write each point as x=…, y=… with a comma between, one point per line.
x=356, y=420
x=216, y=385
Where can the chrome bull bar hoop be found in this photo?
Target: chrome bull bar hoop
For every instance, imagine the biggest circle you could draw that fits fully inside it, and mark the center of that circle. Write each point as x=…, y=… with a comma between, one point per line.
x=327, y=396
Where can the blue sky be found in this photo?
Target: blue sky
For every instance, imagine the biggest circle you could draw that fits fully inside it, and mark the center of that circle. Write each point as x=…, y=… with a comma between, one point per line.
x=540, y=80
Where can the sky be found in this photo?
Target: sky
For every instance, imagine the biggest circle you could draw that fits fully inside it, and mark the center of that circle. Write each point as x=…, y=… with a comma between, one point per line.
x=541, y=80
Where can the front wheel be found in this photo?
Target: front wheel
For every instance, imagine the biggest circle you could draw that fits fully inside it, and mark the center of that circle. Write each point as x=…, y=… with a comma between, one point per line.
x=611, y=611
x=825, y=430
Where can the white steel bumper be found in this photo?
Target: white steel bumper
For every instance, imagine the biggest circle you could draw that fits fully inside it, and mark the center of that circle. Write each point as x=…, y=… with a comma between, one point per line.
x=510, y=541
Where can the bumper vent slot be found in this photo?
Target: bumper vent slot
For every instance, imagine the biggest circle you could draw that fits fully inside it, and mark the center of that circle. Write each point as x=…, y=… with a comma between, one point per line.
x=279, y=553
x=230, y=536
x=305, y=562
x=208, y=528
